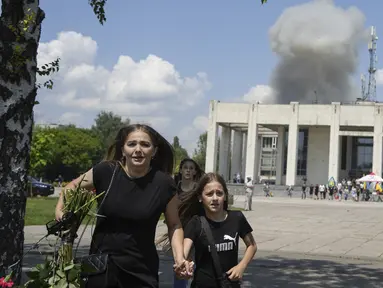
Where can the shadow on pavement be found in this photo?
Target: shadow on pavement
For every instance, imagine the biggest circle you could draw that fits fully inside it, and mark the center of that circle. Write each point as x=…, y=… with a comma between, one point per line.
x=287, y=272
x=276, y=271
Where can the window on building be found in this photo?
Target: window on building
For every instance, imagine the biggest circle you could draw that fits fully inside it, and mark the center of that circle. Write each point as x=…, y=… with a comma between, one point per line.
x=268, y=159
x=268, y=163
x=301, y=154
x=267, y=142
x=274, y=143
x=268, y=173
x=343, y=159
x=361, y=162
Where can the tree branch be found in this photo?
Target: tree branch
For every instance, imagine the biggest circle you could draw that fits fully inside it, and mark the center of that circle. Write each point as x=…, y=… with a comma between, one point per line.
x=99, y=9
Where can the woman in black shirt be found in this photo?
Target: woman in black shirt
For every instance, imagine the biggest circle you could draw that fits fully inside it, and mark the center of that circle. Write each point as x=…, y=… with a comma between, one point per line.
x=210, y=199
x=141, y=190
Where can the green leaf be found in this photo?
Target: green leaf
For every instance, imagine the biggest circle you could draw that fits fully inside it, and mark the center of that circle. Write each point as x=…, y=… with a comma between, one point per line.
x=33, y=274
x=73, y=275
x=40, y=267
x=69, y=267
x=63, y=283
x=53, y=280
x=44, y=274
x=60, y=273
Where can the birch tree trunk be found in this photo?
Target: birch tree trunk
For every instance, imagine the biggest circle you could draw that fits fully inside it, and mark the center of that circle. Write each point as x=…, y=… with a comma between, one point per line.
x=20, y=28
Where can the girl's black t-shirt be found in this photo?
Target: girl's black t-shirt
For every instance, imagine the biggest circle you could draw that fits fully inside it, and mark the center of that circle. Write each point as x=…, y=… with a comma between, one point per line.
x=132, y=208
x=183, y=194
x=226, y=235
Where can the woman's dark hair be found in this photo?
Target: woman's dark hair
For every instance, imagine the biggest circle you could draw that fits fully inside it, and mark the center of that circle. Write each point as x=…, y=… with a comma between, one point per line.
x=163, y=159
x=197, y=176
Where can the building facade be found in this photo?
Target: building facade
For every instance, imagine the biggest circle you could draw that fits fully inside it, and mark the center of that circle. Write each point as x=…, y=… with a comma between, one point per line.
x=292, y=143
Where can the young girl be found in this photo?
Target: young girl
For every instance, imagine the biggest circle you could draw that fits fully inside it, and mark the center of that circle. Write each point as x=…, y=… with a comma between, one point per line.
x=210, y=200
x=186, y=179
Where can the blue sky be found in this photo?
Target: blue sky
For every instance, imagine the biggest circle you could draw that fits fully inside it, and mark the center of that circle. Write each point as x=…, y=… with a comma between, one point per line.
x=227, y=40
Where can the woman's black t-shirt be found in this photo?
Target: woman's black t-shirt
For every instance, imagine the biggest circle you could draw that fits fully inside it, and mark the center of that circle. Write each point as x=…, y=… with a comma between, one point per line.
x=132, y=208
x=226, y=235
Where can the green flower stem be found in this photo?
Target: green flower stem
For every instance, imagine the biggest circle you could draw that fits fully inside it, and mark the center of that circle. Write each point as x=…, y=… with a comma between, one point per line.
x=66, y=253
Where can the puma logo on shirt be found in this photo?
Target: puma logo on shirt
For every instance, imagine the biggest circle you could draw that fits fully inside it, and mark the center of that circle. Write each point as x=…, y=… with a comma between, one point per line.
x=226, y=246
x=228, y=237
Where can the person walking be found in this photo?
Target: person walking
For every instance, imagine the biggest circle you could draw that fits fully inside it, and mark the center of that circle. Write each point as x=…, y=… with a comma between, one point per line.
x=136, y=176
x=304, y=190
x=186, y=179
x=249, y=186
x=214, y=231
x=290, y=191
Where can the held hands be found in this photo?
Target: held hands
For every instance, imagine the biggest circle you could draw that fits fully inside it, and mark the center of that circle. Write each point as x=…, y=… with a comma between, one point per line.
x=184, y=269
x=236, y=272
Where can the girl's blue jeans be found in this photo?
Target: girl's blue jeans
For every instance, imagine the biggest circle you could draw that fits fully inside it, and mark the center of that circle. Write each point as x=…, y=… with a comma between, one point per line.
x=179, y=283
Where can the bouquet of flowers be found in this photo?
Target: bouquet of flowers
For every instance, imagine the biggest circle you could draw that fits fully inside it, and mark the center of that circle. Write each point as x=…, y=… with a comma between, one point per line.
x=6, y=282
x=62, y=271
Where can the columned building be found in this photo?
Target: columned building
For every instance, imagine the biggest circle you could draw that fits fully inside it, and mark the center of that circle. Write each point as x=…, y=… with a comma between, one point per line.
x=292, y=143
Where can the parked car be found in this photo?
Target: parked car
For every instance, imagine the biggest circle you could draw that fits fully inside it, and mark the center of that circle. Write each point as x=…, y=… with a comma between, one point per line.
x=39, y=188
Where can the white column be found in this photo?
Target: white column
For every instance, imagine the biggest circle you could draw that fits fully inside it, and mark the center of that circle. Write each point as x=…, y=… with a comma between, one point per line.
x=377, y=148
x=252, y=142
x=349, y=153
x=212, y=138
x=333, y=161
x=243, y=160
x=258, y=156
x=224, y=147
x=236, y=155
x=280, y=154
x=292, y=145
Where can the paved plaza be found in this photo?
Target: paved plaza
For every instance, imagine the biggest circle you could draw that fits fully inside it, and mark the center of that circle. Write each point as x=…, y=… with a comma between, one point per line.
x=317, y=227
x=301, y=243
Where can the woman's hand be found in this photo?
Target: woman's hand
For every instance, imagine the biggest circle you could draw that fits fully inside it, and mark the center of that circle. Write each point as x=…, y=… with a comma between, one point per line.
x=236, y=272
x=59, y=214
x=184, y=269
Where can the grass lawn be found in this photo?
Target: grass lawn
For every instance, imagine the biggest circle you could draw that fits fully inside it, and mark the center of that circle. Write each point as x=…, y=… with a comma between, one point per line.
x=42, y=210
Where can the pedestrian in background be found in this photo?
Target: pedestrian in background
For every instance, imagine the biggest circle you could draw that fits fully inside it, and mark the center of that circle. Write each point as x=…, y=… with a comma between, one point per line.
x=249, y=186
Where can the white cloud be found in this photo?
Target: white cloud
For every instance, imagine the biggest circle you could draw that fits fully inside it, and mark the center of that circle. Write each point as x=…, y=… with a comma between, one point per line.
x=159, y=122
x=189, y=134
x=126, y=88
x=201, y=123
x=148, y=90
x=260, y=93
x=70, y=118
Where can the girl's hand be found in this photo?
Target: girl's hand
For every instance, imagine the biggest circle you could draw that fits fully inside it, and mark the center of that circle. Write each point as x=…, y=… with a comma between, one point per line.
x=184, y=269
x=236, y=272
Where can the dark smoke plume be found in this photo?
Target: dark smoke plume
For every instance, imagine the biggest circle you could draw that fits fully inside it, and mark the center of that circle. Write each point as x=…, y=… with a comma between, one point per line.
x=317, y=44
